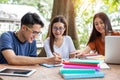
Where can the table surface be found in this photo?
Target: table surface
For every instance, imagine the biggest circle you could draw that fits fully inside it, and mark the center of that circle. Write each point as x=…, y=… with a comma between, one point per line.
x=44, y=73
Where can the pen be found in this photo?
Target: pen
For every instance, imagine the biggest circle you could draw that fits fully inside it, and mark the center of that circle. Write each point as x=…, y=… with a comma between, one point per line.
x=57, y=55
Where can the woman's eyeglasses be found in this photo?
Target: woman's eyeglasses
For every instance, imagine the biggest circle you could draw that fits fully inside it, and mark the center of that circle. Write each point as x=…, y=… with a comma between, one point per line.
x=34, y=32
x=58, y=28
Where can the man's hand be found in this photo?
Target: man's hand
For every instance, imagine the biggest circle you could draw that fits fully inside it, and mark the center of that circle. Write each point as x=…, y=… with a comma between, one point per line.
x=56, y=59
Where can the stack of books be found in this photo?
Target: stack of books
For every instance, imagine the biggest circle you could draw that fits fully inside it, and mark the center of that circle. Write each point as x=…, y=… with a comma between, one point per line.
x=81, y=68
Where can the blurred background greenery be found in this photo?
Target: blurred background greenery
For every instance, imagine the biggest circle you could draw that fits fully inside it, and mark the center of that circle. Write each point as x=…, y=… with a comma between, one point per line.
x=85, y=10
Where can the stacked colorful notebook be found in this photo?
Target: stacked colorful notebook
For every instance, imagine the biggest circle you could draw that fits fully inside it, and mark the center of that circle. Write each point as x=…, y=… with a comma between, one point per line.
x=80, y=68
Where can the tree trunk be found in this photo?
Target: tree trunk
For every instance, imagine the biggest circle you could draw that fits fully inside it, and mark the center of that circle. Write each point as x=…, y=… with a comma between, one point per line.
x=72, y=31
x=60, y=7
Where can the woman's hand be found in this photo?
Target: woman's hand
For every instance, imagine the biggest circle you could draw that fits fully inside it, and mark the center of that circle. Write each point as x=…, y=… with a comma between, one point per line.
x=56, y=59
x=74, y=54
x=83, y=54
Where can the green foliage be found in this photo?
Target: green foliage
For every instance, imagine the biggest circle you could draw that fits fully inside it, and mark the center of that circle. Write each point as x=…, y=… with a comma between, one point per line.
x=76, y=43
x=83, y=36
x=112, y=5
x=86, y=11
x=3, y=1
x=45, y=8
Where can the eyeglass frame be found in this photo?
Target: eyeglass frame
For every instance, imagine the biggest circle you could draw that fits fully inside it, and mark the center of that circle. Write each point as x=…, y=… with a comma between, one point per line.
x=34, y=32
x=55, y=28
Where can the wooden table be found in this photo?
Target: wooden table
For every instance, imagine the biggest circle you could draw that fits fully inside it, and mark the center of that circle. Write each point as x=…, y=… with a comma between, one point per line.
x=44, y=73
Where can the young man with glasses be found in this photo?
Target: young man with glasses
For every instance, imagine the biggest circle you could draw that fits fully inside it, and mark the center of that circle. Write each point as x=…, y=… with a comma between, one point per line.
x=19, y=48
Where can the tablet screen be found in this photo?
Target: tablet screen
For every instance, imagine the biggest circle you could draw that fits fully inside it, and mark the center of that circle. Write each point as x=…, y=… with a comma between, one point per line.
x=16, y=71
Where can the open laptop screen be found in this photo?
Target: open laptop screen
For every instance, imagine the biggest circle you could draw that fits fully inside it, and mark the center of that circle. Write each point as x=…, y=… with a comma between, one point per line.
x=112, y=49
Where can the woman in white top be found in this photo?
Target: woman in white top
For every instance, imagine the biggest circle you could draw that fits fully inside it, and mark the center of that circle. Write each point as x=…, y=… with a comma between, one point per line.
x=58, y=41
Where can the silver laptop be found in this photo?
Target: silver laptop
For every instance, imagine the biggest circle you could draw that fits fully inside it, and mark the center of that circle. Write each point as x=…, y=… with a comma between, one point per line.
x=112, y=49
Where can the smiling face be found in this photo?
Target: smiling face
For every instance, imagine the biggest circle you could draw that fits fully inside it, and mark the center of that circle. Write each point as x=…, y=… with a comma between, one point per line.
x=31, y=33
x=99, y=25
x=58, y=29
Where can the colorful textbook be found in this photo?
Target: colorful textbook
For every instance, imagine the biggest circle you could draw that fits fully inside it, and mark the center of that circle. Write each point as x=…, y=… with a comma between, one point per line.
x=81, y=68
x=87, y=75
x=76, y=71
x=88, y=61
x=79, y=64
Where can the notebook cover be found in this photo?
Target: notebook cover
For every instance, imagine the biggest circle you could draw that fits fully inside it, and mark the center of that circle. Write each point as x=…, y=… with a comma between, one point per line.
x=51, y=65
x=76, y=71
x=96, y=57
x=81, y=76
x=79, y=64
x=81, y=67
x=86, y=61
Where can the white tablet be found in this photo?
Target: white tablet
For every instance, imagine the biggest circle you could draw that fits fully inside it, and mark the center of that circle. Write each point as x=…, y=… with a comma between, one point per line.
x=16, y=72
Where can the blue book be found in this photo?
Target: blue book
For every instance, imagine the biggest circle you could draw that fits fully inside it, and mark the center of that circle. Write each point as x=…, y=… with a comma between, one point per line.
x=97, y=74
x=76, y=71
x=51, y=65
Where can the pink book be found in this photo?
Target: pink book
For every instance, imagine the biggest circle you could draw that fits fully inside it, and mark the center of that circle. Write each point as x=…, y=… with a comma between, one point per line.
x=81, y=67
x=79, y=64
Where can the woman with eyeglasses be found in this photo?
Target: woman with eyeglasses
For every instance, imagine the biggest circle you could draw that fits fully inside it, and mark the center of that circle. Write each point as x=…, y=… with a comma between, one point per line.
x=58, y=41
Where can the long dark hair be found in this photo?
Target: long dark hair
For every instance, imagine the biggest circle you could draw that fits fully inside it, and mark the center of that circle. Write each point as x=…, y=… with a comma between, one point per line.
x=56, y=19
x=106, y=21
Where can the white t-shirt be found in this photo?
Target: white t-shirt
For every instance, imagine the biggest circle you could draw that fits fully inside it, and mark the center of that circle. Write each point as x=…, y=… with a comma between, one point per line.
x=64, y=50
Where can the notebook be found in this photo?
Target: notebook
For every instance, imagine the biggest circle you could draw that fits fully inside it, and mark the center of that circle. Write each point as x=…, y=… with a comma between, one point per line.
x=112, y=49
x=79, y=64
x=76, y=71
x=51, y=65
x=86, y=61
x=82, y=76
x=81, y=67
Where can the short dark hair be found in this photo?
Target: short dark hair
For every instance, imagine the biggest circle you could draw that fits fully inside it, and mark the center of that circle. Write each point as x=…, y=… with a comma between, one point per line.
x=31, y=19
